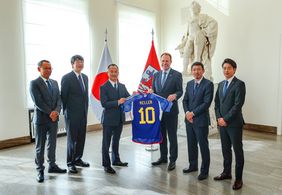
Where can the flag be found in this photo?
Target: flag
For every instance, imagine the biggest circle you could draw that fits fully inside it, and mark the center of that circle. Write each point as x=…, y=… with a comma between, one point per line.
x=100, y=78
x=152, y=66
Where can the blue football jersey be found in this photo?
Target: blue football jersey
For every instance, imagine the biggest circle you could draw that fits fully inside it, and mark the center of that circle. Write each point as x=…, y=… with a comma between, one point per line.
x=146, y=112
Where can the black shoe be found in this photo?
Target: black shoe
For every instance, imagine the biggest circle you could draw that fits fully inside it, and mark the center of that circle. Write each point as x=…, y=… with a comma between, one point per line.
x=56, y=169
x=40, y=177
x=171, y=166
x=109, y=170
x=202, y=176
x=121, y=164
x=237, y=184
x=72, y=169
x=189, y=170
x=81, y=163
x=158, y=162
x=222, y=176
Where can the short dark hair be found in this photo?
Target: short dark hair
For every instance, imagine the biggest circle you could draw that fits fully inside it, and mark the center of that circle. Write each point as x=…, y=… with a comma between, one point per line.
x=229, y=61
x=112, y=65
x=198, y=64
x=167, y=54
x=39, y=64
x=76, y=57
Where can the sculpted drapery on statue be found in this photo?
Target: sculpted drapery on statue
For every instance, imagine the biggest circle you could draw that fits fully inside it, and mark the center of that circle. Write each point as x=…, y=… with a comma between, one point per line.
x=198, y=44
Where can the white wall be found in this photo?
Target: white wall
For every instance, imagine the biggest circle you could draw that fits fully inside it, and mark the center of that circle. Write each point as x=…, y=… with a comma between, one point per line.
x=14, y=114
x=250, y=35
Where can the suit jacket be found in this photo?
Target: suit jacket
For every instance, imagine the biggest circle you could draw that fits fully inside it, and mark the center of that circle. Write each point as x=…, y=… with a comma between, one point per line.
x=172, y=85
x=229, y=107
x=199, y=102
x=109, y=96
x=44, y=102
x=75, y=100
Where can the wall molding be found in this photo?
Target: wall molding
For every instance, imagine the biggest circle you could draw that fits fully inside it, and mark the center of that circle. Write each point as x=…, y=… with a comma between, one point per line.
x=260, y=128
x=15, y=142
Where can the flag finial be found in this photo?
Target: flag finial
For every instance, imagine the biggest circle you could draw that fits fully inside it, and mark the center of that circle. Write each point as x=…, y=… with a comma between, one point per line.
x=152, y=34
x=106, y=35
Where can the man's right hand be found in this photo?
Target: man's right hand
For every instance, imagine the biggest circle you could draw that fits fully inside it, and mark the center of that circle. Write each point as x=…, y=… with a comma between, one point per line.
x=121, y=101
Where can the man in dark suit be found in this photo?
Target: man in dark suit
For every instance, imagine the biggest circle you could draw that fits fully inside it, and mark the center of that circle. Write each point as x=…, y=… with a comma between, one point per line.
x=112, y=95
x=47, y=105
x=74, y=93
x=168, y=84
x=196, y=102
x=229, y=100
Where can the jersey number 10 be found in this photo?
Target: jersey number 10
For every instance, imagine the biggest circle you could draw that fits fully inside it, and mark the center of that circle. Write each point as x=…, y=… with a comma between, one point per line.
x=144, y=115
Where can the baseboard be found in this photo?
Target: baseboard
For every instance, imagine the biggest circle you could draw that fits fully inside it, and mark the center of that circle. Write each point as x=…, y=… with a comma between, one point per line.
x=15, y=142
x=260, y=128
x=95, y=127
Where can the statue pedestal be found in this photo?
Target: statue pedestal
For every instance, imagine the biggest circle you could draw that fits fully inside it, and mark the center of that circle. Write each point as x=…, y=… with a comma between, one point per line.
x=181, y=124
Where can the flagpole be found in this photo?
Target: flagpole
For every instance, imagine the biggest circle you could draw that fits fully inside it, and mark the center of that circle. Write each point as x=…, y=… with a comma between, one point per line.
x=151, y=147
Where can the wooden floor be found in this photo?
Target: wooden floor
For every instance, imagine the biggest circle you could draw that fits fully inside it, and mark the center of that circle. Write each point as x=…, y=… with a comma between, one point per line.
x=262, y=173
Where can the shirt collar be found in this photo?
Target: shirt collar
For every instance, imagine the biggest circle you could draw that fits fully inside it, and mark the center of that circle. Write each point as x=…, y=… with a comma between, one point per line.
x=77, y=74
x=198, y=81
x=230, y=79
x=167, y=71
x=113, y=83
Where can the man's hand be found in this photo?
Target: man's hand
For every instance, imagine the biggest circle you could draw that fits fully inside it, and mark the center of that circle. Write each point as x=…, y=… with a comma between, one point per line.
x=171, y=97
x=150, y=90
x=221, y=122
x=121, y=101
x=189, y=116
x=54, y=116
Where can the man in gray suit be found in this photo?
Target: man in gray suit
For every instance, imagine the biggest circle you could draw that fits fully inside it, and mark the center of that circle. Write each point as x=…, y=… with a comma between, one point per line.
x=74, y=93
x=229, y=100
x=47, y=105
x=168, y=84
x=196, y=102
x=113, y=94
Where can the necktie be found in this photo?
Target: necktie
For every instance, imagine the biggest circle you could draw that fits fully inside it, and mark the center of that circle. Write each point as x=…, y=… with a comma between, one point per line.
x=163, y=78
x=115, y=86
x=225, y=88
x=49, y=87
x=81, y=82
x=196, y=85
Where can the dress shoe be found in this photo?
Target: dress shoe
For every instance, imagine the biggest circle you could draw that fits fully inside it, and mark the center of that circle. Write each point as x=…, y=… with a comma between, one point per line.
x=72, y=169
x=56, y=169
x=237, y=184
x=109, y=170
x=171, y=166
x=189, y=170
x=40, y=177
x=222, y=176
x=81, y=163
x=202, y=176
x=158, y=162
x=121, y=164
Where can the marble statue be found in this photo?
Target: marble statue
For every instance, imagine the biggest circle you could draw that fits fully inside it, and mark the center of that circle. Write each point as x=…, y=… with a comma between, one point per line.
x=198, y=44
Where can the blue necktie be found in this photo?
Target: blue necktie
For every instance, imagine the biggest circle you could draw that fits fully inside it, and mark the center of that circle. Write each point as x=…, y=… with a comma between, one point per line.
x=225, y=88
x=164, y=78
x=81, y=82
x=196, y=85
x=49, y=87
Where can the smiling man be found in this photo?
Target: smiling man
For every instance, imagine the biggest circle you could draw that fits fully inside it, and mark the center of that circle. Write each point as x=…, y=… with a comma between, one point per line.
x=167, y=83
x=229, y=100
x=196, y=102
x=74, y=93
x=112, y=95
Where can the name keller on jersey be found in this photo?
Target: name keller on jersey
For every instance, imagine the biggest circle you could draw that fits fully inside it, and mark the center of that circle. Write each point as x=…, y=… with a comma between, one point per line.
x=148, y=102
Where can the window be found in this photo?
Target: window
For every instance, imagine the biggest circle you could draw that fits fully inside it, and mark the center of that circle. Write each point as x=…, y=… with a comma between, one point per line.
x=221, y=5
x=135, y=36
x=55, y=30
